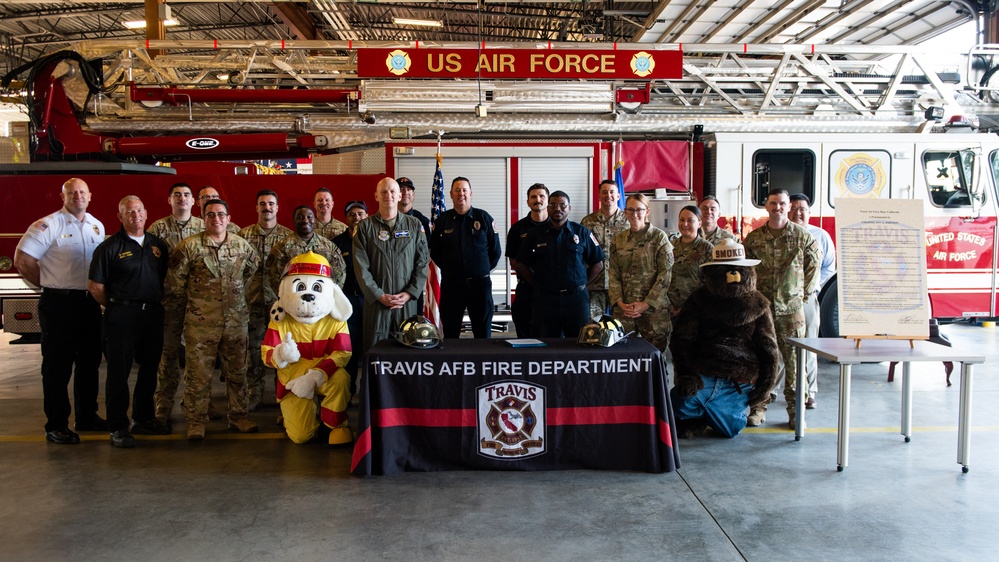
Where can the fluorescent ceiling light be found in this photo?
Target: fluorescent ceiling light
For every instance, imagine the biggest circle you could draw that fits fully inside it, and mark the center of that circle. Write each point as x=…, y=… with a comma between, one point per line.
x=141, y=24
x=426, y=23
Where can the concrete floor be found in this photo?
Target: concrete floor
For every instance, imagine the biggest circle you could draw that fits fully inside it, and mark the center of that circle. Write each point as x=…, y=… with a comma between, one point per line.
x=761, y=496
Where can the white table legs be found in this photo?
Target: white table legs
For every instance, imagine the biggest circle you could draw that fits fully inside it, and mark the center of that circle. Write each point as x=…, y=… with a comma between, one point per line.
x=906, y=402
x=964, y=423
x=843, y=431
x=801, y=391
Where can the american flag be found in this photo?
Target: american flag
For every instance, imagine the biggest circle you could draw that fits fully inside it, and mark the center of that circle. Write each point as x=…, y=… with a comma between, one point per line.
x=619, y=178
x=433, y=290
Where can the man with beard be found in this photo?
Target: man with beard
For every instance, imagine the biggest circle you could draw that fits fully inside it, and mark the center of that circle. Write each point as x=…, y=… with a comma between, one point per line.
x=560, y=259
x=260, y=296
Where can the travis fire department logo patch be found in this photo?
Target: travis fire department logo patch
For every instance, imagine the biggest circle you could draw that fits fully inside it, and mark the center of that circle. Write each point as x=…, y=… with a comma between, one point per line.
x=511, y=420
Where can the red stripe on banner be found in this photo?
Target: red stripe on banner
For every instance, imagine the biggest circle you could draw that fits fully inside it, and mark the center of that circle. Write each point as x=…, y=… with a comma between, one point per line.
x=602, y=415
x=595, y=415
x=392, y=417
x=664, y=433
x=361, y=448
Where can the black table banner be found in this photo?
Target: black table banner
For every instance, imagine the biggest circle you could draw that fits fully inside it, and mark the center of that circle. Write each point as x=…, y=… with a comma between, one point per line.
x=482, y=405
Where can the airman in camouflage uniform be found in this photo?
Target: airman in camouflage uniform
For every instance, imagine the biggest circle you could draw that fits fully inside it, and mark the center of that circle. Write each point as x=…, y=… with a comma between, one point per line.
x=788, y=270
x=326, y=226
x=303, y=240
x=179, y=225
x=207, y=279
x=331, y=229
x=209, y=193
x=605, y=223
x=641, y=268
x=710, y=230
x=690, y=250
x=687, y=260
x=260, y=294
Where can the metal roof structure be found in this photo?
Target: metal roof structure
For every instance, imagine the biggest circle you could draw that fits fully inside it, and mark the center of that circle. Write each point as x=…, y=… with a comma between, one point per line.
x=747, y=65
x=29, y=30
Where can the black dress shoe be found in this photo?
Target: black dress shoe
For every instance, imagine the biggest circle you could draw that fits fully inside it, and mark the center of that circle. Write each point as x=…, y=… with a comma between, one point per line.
x=122, y=439
x=62, y=437
x=150, y=427
x=96, y=423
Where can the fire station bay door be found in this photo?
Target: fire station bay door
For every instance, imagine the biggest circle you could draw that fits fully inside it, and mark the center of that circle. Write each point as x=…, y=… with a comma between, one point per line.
x=489, y=171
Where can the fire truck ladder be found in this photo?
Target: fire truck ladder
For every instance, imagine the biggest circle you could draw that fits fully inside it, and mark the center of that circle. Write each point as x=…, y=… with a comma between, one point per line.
x=723, y=88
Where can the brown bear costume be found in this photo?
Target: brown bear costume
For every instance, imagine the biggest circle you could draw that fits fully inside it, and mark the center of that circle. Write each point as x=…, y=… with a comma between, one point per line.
x=724, y=335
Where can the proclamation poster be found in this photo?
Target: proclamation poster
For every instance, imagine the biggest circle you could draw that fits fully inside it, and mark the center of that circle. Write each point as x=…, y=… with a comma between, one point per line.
x=882, y=268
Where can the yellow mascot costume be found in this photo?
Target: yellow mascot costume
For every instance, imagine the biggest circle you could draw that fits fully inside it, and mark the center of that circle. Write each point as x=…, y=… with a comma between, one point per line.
x=307, y=341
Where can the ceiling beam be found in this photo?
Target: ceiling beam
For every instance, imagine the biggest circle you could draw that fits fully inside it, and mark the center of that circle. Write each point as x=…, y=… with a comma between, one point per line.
x=298, y=20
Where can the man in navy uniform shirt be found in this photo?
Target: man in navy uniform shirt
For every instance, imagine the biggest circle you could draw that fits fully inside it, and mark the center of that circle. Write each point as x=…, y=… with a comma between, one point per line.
x=465, y=244
x=126, y=276
x=523, y=303
x=559, y=258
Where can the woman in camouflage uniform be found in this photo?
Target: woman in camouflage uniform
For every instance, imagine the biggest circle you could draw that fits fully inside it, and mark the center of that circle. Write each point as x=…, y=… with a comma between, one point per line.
x=689, y=252
x=641, y=266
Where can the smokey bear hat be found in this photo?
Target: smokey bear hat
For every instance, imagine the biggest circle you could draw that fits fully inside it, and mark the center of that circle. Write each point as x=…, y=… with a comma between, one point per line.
x=730, y=253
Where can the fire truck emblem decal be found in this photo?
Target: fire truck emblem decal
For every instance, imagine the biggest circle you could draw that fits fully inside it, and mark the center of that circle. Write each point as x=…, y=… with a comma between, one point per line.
x=861, y=175
x=398, y=62
x=511, y=420
x=642, y=64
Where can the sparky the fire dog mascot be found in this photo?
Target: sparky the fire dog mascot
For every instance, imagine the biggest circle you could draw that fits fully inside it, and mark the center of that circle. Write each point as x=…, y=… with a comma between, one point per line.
x=724, y=347
x=307, y=341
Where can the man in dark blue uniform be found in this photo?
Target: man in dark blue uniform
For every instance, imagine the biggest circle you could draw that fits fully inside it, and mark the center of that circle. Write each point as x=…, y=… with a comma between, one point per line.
x=537, y=201
x=465, y=244
x=355, y=212
x=126, y=276
x=406, y=193
x=559, y=258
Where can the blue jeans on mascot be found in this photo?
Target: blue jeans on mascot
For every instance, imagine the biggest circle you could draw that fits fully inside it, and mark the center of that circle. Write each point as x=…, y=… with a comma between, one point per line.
x=722, y=403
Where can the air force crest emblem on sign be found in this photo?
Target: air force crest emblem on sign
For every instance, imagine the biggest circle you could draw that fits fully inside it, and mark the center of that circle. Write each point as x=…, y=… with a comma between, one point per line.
x=511, y=420
x=642, y=64
x=398, y=62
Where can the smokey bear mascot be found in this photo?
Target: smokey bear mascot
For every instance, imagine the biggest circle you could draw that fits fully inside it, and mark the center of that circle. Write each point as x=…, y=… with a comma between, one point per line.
x=307, y=341
x=724, y=347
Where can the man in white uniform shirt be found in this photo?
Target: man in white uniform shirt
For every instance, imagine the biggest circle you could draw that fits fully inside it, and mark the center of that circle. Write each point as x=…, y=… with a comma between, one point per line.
x=55, y=253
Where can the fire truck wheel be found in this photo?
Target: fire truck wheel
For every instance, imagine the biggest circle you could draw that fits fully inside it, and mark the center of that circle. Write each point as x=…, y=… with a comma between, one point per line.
x=829, y=309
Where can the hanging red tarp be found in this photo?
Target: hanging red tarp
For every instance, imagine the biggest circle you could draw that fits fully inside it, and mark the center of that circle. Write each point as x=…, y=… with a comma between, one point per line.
x=648, y=165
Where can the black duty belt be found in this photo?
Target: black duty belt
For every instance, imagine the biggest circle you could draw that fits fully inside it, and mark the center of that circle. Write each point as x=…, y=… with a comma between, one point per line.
x=564, y=292
x=141, y=305
x=67, y=292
